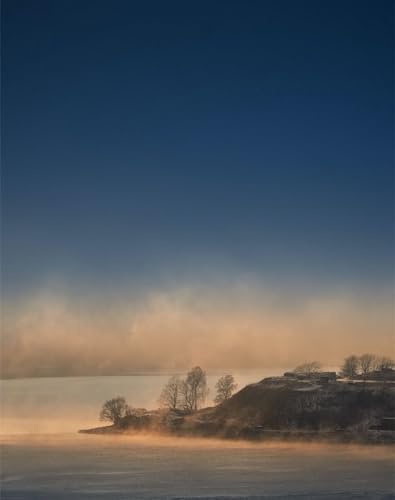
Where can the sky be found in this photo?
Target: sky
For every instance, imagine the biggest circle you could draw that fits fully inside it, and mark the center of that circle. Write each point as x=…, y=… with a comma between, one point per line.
x=150, y=148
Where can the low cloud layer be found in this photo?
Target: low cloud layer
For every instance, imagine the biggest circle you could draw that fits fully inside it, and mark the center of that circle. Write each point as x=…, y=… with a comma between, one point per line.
x=237, y=327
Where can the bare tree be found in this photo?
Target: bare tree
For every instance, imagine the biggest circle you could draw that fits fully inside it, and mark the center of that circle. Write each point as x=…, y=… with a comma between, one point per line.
x=171, y=393
x=187, y=397
x=366, y=364
x=350, y=367
x=384, y=363
x=309, y=367
x=115, y=410
x=194, y=389
x=225, y=387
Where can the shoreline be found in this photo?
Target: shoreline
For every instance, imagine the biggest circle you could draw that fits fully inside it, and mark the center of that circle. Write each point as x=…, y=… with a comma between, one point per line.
x=386, y=438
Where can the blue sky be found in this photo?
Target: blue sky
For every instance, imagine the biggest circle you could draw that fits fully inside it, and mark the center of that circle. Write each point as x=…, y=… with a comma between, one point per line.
x=154, y=141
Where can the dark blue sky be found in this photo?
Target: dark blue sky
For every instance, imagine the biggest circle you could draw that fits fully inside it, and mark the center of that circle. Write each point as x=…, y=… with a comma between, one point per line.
x=148, y=140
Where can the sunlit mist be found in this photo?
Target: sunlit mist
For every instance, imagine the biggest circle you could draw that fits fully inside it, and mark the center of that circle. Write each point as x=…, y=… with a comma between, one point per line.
x=239, y=327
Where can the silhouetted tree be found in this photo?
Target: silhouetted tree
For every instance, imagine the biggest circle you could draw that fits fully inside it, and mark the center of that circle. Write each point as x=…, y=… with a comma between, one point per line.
x=115, y=410
x=309, y=367
x=384, y=362
x=350, y=367
x=366, y=364
x=171, y=396
x=194, y=389
x=225, y=387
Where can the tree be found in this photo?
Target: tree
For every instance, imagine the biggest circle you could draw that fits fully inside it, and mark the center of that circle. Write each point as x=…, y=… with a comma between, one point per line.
x=350, y=367
x=384, y=363
x=194, y=389
x=171, y=393
x=309, y=367
x=115, y=410
x=225, y=387
x=366, y=364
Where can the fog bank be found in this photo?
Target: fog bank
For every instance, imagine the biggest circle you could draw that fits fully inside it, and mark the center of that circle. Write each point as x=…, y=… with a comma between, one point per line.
x=241, y=327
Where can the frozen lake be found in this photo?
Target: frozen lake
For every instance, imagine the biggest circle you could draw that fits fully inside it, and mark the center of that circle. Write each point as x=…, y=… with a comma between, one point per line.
x=44, y=458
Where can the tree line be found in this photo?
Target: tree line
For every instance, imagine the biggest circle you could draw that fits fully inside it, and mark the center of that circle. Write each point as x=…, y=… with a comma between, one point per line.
x=179, y=394
x=354, y=366
x=190, y=393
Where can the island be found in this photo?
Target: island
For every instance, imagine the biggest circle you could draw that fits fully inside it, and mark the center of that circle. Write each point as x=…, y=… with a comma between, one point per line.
x=312, y=406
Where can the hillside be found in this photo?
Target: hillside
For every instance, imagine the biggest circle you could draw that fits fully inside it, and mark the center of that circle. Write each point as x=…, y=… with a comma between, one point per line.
x=280, y=406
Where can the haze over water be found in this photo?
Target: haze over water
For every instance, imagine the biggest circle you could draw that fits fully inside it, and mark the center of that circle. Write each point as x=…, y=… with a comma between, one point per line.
x=44, y=458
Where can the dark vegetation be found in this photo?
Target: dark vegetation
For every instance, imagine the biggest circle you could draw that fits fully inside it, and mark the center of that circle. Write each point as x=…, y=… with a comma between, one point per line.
x=115, y=410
